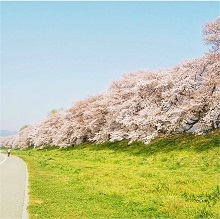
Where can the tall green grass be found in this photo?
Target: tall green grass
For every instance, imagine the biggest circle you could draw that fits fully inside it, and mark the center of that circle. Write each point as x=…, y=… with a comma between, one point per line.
x=172, y=177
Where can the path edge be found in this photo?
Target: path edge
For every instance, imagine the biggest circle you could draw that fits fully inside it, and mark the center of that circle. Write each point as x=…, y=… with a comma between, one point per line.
x=26, y=198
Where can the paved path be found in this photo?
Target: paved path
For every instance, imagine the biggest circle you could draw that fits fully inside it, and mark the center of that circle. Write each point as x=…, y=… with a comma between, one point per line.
x=13, y=187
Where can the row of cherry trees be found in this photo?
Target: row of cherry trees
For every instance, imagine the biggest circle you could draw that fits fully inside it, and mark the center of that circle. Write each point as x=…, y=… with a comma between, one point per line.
x=140, y=105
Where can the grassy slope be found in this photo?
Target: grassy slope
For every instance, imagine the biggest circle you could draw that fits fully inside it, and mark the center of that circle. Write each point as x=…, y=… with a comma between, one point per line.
x=174, y=177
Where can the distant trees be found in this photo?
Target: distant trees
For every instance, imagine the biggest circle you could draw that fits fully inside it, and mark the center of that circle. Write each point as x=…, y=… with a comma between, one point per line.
x=53, y=111
x=23, y=127
x=139, y=106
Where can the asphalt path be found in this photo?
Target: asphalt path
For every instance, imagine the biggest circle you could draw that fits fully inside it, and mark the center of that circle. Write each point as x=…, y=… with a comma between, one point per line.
x=13, y=187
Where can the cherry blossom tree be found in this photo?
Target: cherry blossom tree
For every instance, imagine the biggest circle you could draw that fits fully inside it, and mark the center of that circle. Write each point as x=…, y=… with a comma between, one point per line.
x=211, y=34
x=139, y=106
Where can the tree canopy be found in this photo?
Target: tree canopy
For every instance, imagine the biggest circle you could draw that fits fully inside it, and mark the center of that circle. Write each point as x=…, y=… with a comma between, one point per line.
x=211, y=34
x=140, y=105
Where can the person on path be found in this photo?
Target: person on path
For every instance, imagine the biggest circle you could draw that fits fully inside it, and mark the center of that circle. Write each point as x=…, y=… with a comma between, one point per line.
x=9, y=152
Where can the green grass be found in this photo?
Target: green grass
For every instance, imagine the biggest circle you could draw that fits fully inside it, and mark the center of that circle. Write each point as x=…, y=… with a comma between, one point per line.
x=172, y=177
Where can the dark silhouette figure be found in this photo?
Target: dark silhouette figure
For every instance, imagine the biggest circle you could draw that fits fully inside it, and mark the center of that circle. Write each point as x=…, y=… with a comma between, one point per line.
x=9, y=152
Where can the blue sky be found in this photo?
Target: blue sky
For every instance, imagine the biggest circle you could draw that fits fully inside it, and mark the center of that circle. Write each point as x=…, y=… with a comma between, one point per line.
x=54, y=53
